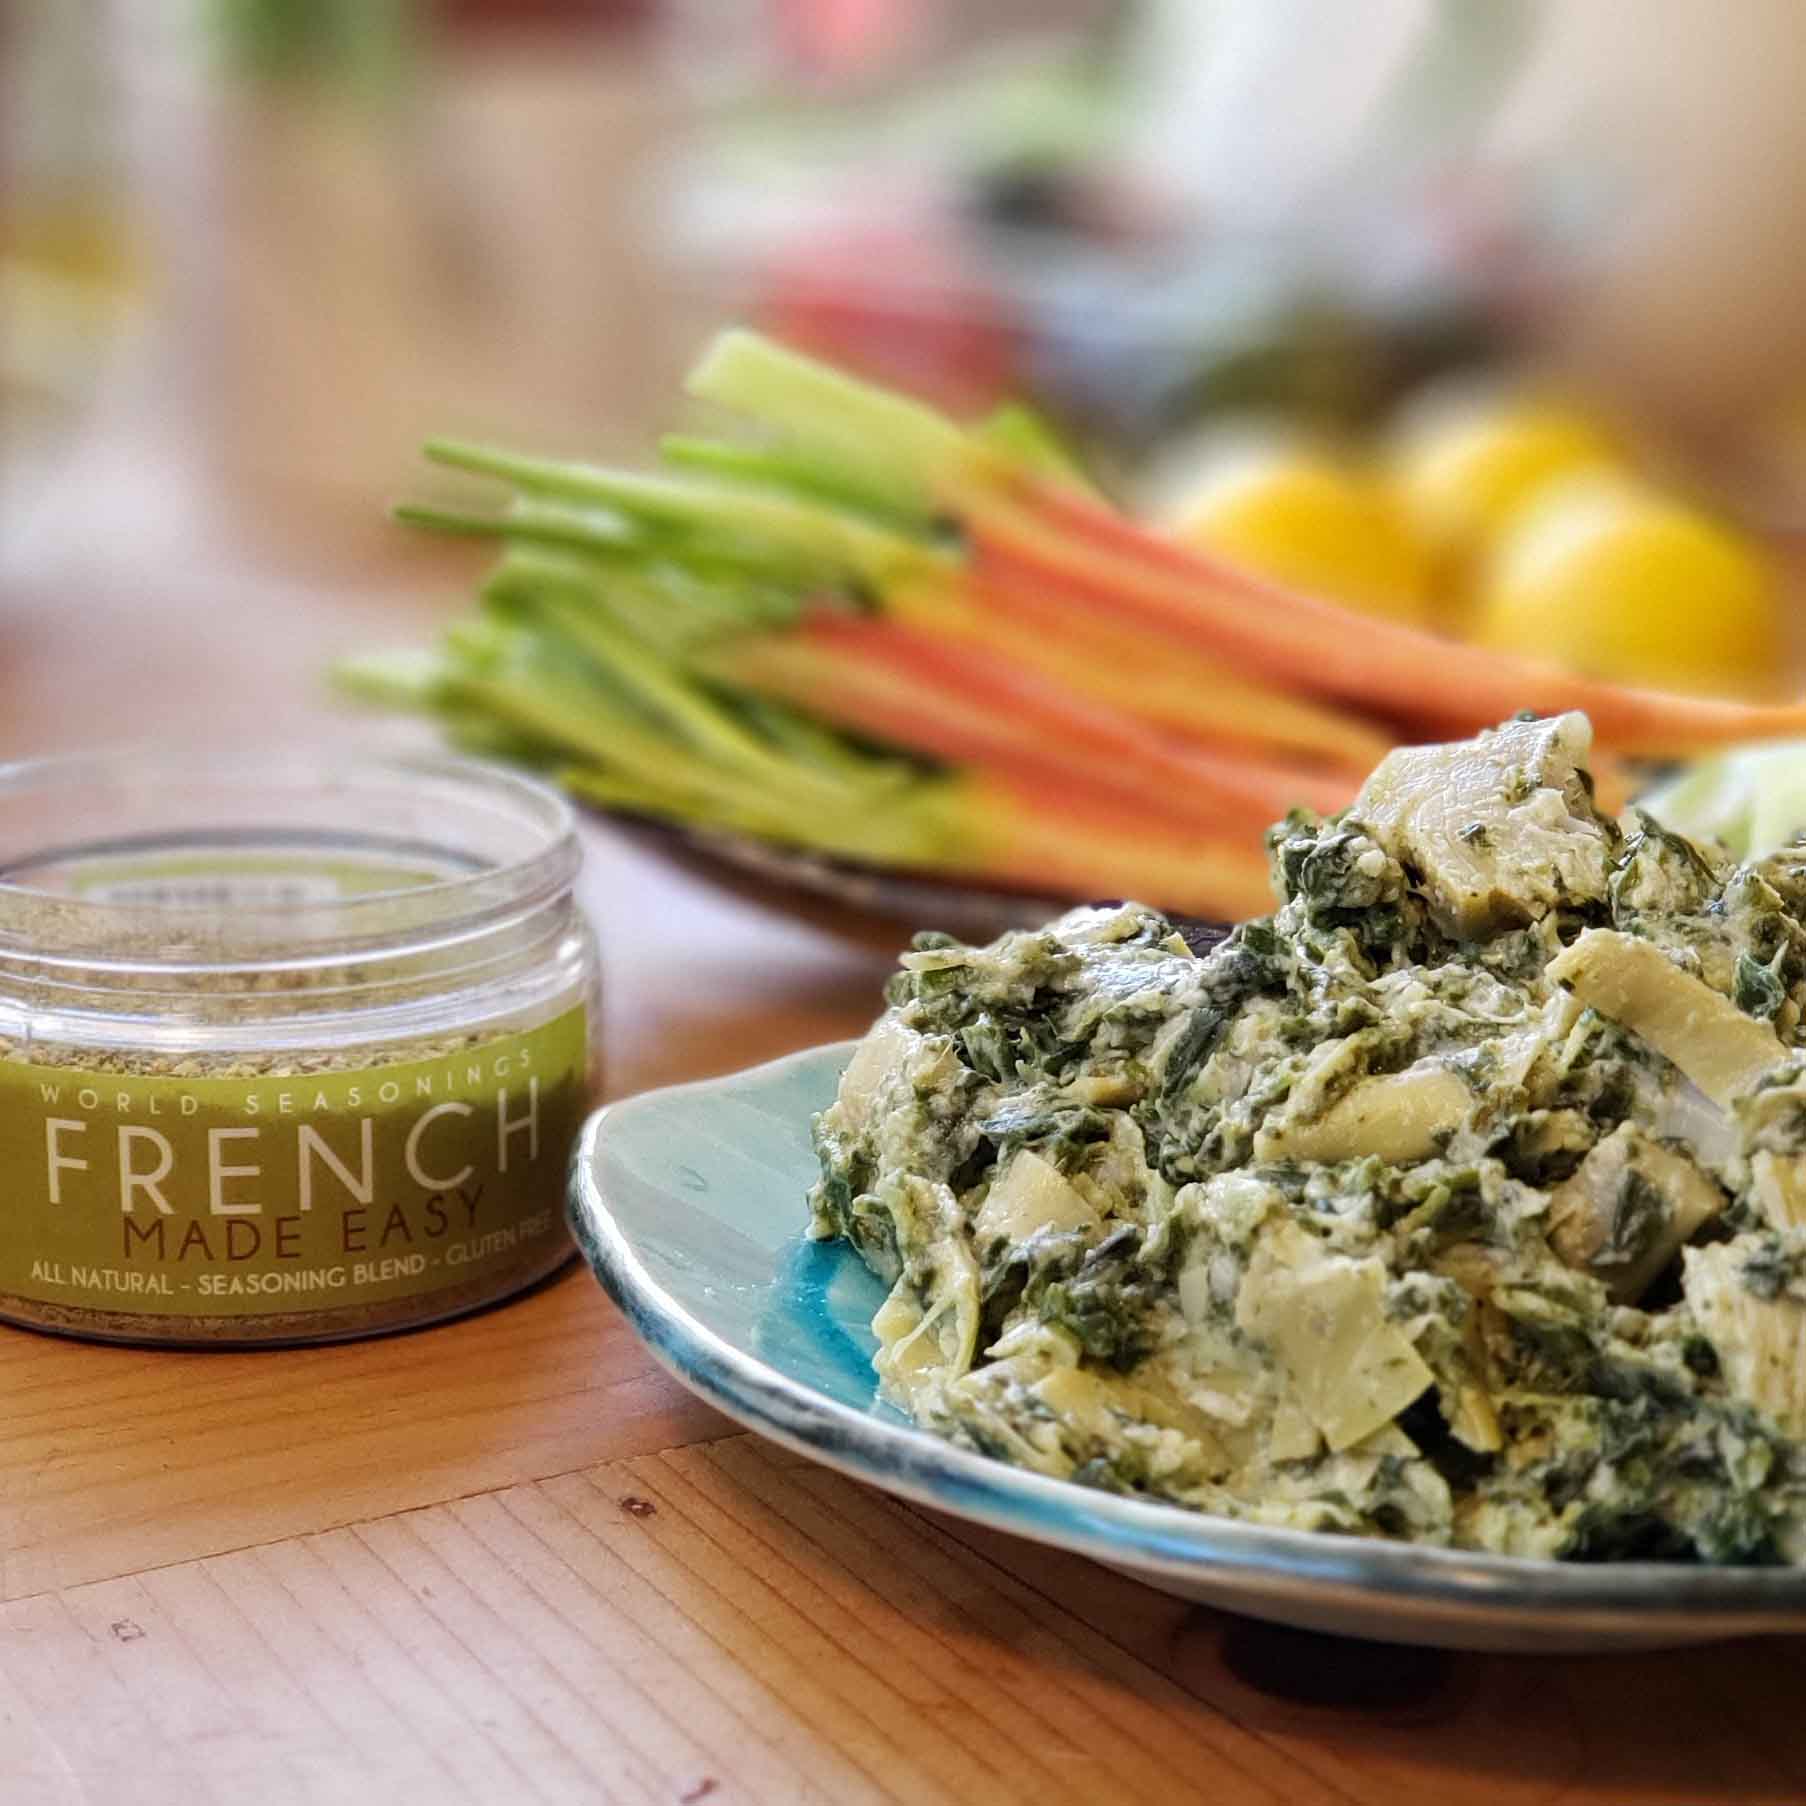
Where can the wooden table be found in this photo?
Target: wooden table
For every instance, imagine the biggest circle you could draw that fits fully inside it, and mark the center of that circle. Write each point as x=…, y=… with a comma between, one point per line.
x=508, y=1559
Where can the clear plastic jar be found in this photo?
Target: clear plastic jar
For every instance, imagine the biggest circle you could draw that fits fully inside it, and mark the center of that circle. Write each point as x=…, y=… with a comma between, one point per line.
x=291, y=1050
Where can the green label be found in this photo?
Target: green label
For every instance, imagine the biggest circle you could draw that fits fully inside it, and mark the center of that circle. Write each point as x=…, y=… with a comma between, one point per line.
x=241, y=1197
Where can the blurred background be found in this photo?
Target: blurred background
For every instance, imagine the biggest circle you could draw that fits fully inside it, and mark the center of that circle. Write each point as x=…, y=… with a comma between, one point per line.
x=305, y=233
x=1331, y=286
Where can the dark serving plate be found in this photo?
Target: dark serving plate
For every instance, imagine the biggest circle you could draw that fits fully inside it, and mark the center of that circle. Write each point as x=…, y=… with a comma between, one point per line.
x=860, y=901
x=863, y=902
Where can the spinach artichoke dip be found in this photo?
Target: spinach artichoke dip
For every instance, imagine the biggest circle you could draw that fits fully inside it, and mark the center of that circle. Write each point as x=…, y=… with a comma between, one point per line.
x=1462, y=1199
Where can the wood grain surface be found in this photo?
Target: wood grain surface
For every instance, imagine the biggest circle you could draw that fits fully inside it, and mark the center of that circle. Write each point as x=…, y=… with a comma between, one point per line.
x=508, y=1559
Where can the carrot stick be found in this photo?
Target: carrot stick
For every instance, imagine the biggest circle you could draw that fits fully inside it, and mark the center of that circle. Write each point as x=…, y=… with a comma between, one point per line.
x=1049, y=714
x=1046, y=843
x=906, y=712
x=876, y=682
x=1161, y=681
x=1056, y=539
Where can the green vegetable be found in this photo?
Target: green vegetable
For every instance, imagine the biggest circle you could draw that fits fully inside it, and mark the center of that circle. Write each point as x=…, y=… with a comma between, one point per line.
x=1752, y=800
x=893, y=447
x=622, y=634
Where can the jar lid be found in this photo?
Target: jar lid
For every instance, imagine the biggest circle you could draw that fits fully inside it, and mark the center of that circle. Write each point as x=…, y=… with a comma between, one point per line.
x=198, y=860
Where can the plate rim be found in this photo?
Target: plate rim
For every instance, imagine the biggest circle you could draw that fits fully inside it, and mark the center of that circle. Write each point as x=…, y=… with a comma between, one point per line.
x=1146, y=1536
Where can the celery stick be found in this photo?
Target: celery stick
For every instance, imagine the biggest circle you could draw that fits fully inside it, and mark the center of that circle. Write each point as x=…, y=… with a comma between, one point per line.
x=404, y=678
x=554, y=607
x=613, y=792
x=745, y=812
x=458, y=521
x=815, y=535
x=576, y=720
x=528, y=716
x=512, y=590
x=486, y=646
x=427, y=682
x=667, y=602
x=483, y=737
x=591, y=528
x=729, y=555
x=671, y=798
x=666, y=605
x=890, y=445
x=647, y=725
x=784, y=467
x=1028, y=439
x=907, y=832
x=689, y=711
x=721, y=731
x=813, y=742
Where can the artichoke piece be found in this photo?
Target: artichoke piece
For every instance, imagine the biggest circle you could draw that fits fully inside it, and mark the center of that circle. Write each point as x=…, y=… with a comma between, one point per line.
x=1627, y=1209
x=1346, y=1363
x=1723, y=1051
x=1031, y=1195
x=1739, y=1292
x=1501, y=828
x=1778, y=1184
x=1771, y=1124
x=927, y=1328
x=886, y=1049
x=1400, y=1116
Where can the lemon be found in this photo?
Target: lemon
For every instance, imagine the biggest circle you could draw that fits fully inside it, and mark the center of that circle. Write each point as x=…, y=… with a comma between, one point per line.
x=1617, y=580
x=1309, y=521
x=1464, y=465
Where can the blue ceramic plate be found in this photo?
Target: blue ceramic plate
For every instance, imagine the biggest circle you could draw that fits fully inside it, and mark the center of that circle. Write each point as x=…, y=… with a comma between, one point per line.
x=689, y=1204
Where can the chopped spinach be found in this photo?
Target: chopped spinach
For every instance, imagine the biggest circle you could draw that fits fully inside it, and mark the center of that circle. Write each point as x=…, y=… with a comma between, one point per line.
x=1755, y=988
x=1109, y=1130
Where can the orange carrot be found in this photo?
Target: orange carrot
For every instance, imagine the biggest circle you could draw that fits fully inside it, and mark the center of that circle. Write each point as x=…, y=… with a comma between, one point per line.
x=959, y=705
x=1106, y=743
x=1036, y=836
x=1053, y=538
x=1195, y=699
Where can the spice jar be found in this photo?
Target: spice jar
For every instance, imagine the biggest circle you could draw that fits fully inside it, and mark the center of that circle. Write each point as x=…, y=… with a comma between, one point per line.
x=291, y=1050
